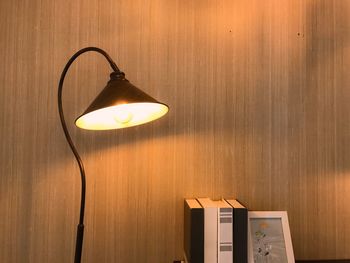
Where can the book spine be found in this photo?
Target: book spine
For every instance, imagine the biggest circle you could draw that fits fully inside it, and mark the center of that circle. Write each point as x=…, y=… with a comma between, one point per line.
x=210, y=235
x=240, y=235
x=197, y=236
x=194, y=234
x=225, y=231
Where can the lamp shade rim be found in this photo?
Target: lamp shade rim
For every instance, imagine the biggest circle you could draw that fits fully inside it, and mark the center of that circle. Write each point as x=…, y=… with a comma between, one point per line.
x=123, y=115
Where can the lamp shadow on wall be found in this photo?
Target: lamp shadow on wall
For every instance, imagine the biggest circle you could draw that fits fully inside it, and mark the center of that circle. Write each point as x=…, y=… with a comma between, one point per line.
x=195, y=109
x=326, y=94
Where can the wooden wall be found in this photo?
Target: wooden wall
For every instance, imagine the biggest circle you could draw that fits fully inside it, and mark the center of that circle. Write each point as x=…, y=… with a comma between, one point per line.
x=259, y=93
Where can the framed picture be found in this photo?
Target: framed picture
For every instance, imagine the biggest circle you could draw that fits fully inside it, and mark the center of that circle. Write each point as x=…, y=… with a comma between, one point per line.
x=269, y=239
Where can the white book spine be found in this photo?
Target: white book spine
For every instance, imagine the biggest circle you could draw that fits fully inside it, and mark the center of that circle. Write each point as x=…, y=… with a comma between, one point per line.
x=210, y=235
x=224, y=220
x=210, y=230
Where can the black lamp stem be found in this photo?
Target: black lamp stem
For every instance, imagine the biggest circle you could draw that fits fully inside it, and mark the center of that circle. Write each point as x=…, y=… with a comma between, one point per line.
x=80, y=228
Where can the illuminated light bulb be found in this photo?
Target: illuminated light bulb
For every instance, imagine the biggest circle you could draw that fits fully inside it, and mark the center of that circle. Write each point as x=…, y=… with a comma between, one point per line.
x=122, y=117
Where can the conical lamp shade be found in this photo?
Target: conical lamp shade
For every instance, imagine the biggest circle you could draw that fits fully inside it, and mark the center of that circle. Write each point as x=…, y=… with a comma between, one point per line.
x=119, y=105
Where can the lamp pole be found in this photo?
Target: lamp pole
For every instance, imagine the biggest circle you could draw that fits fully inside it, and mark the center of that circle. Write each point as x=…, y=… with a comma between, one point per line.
x=80, y=227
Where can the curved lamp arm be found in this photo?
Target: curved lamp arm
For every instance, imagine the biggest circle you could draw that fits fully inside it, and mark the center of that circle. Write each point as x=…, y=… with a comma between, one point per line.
x=80, y=229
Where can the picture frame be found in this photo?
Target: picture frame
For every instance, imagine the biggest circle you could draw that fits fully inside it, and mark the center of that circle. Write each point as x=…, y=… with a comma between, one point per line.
x=269, y=239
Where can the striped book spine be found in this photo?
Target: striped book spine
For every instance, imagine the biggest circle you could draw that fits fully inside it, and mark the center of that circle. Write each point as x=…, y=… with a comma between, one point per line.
x=225, y=246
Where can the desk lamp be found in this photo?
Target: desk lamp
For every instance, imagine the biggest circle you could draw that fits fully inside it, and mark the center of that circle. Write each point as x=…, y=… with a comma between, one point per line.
x=119, y=105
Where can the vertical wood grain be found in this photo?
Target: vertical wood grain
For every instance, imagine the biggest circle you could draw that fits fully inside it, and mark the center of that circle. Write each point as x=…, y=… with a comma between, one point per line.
x=259, y=110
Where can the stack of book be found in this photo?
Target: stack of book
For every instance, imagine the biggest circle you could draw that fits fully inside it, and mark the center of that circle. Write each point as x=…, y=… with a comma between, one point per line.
x=215, y=231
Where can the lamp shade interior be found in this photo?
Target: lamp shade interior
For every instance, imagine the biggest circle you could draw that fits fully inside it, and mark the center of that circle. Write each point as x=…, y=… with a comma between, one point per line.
x=121, y=116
